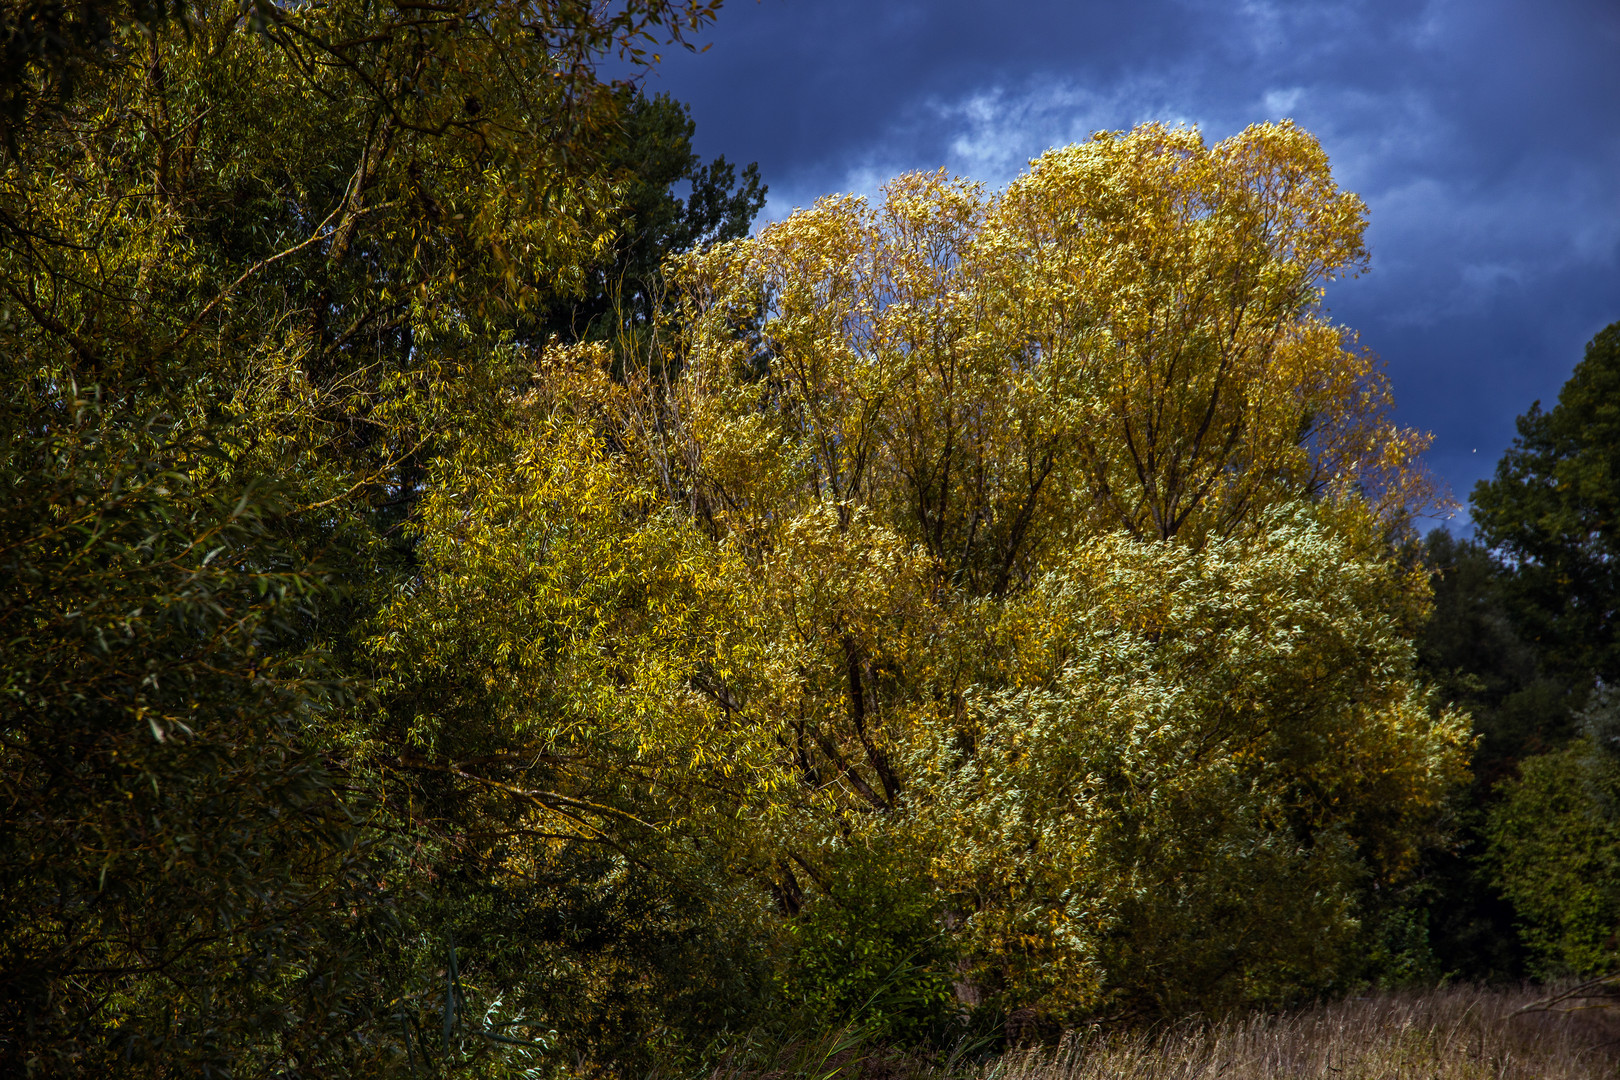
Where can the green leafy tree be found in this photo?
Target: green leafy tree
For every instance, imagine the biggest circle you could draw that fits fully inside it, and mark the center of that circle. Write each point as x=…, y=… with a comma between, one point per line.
x=256, y=269
x=1555, y=846
x=1522, y=631
x=871, y=953
x=186, y=881
x=1476, y=653
x=1553, y=513
x=626, y=294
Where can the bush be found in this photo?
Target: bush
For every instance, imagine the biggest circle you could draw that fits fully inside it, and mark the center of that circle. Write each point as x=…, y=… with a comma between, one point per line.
x=1555, y=848
x=873, y=955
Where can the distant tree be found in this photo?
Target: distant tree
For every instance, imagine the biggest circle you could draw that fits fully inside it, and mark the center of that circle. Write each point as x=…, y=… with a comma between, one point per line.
x=625, y=292
x=1471, y=653
x=1544, y=581
x=1475, y=655
x=1552, y=513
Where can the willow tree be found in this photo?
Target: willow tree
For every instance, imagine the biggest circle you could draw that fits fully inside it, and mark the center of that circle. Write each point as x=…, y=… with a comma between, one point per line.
x=256, y=261
x=997, y=584
x=912, y=419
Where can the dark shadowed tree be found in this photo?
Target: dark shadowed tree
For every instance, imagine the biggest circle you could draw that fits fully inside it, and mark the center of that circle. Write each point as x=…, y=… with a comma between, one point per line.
x=672, y=203
x=257, y=263
x=1552, y=513
x=1524, y=627
x=1477, y=657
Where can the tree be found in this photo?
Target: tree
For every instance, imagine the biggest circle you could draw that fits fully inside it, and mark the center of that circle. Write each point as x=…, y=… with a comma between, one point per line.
x=926, y=346
x=1552, y=512
x=542, y=678
x=626, y=293
x=1555, y=847
x=49, y=48
x=185, y=879
x=911, y=482
x=1196, y=764
x=1521, y=634
x=1477, y=656
x=256, y=269
x=962, y=374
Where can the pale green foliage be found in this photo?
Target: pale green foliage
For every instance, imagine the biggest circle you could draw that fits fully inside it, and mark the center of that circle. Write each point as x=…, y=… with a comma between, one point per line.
x=1197, y=760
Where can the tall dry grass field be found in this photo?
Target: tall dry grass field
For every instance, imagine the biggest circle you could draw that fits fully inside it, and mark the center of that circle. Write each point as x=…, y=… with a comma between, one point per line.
x=1459, y=1033
x=1450, y=1034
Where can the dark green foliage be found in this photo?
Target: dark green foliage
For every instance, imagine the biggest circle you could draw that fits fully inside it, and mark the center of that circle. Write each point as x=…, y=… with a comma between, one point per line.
x=1523, y=629
x=653, y=152
x=872, y=955
x=1474, y=652
x=1555, y=846
x=1452, y=922
x=1400, y=953
x=46, y=47
x=1552, y=513
x=1474, y=656
x=631, y=967
x=185, y=883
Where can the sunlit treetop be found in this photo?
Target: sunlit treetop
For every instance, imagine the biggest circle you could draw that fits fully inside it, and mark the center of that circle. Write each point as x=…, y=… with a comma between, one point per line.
x=1130, y=336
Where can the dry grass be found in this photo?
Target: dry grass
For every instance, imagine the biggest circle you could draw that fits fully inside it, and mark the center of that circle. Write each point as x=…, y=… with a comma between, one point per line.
x=1459, y=1033
x=1451, y=1034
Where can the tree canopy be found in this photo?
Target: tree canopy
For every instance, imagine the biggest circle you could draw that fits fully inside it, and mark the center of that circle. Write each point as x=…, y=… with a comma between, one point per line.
x=906, y=568
x=257, y=266
x=1522, y=637
x=1553, y=512
x=470, y=606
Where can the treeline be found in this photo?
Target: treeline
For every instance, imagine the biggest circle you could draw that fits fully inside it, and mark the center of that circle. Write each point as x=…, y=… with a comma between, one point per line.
x=1523, y=637
x=471, y=609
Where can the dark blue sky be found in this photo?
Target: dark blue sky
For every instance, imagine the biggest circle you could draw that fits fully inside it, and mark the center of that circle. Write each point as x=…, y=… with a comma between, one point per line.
x=1484, y=135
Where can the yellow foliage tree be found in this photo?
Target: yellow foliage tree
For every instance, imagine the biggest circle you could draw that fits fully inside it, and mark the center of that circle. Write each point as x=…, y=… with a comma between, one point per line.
x=1130, y=336
x=1030, y=549
x=917, y=419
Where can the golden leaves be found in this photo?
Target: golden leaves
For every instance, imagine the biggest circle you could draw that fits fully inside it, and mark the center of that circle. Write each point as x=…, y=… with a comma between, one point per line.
x=1135, y=322
x=1042, y=534
x=1066, y=509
